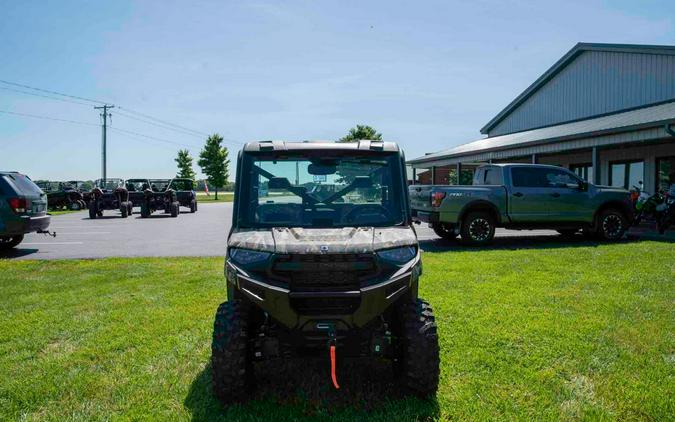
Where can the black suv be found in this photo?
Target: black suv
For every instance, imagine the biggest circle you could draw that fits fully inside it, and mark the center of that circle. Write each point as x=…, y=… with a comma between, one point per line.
x=23, y=209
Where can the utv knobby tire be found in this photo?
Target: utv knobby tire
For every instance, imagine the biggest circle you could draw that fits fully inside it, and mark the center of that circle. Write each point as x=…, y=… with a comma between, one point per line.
x=478, y=228
x=175, y=209
x=130, y=207
x=145, y=211
x=75, y=206
x=445, y=232
x=124, y=210
x=193, y=206
x=7, y=243
x=418, y=366
x=92, y=210
x=231, y=363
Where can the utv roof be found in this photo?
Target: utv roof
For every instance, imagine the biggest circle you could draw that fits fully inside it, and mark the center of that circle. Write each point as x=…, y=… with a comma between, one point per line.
x=361, y=145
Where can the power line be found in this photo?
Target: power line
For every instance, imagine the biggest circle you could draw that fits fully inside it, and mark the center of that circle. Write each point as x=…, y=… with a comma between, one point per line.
x=164, y=122
x=52, y=92
x=129, y=132
x=128, y=116
x=45, y=96
x=35, y=116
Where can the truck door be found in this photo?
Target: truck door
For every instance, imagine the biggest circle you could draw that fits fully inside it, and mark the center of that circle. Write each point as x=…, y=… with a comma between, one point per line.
x=534, y=196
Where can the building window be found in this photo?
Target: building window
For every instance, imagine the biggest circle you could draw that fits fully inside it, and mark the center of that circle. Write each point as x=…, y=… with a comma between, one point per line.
x=584, y=171
x=423, y=176
x=626, y=174
x=665, y=173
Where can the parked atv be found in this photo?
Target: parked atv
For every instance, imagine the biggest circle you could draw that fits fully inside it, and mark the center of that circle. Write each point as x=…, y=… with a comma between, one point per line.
x=136, y=189
x=185, y=193
x=331, y=276
x=159, y=196
x=109, y=194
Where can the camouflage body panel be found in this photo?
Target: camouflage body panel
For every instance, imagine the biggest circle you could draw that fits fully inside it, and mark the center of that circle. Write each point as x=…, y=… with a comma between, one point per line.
x=300, y=240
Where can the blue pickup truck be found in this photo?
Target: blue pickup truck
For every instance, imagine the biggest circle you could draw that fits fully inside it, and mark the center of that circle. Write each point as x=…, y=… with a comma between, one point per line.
x=522, y=197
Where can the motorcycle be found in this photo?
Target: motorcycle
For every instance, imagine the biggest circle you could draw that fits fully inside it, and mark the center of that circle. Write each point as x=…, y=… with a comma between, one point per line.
x=668, y=216
x=647, y=207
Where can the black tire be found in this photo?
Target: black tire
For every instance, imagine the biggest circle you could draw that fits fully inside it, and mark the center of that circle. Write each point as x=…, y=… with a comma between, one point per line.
x=7, y=243
x=611, y=225
x=124, y=210
x=130, y=208
x=231, y=362
x=75, y=206
x=445, y=232
x=193, y=206
x=145, y=210
x=92, y=210
x=418, y=366
x=478, y=228
x=568, y=233
x=175, y=209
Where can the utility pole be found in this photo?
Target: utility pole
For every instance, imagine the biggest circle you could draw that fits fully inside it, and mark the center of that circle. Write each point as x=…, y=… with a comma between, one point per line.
x=105, y=116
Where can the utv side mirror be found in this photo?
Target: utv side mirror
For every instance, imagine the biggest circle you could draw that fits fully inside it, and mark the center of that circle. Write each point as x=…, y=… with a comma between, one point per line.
x=279, y=183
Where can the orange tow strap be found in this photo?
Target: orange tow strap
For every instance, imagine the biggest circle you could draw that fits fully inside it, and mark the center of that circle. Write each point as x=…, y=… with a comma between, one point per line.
x=332, y=367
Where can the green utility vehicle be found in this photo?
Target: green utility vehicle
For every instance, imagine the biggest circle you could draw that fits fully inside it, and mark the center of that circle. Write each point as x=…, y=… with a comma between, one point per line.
x=185, y=192
x=23, y=209
x=522, y=197
x=333, y=275
x=136, y=189
x=160, y=196
x=109, y=194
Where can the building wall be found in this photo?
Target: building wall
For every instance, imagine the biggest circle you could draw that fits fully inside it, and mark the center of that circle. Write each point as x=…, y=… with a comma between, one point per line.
x=596, y=82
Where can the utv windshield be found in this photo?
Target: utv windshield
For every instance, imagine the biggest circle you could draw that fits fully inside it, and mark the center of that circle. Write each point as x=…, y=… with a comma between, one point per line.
x=109, y=184
x=307, y=191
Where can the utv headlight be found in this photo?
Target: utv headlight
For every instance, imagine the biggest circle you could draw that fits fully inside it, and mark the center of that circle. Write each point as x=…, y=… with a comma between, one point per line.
x=247, y=256
x=398, y=255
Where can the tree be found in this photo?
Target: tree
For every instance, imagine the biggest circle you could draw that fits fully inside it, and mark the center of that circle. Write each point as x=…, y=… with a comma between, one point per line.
x=184, y=161
x=213, y=161
x=361, y=132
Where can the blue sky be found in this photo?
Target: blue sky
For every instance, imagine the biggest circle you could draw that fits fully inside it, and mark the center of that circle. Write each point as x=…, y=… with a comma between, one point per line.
x=427, y=74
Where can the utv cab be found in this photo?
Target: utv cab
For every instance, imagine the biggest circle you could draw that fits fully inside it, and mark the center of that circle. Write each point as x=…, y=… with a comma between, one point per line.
x=109, y=194
x=185, y=193
x=159, y=196
x=325, y=272
x=136, y=189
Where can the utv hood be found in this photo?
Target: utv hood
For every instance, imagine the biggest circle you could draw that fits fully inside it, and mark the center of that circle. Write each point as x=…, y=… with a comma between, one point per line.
x=321, y=240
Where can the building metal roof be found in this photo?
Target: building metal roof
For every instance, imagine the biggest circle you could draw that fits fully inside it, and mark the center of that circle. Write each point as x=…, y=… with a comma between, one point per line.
x=642, y=118
x=566, y=60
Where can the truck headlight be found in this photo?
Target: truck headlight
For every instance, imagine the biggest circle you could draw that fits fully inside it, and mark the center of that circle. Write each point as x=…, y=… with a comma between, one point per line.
x=247, y=256
x=398, y=255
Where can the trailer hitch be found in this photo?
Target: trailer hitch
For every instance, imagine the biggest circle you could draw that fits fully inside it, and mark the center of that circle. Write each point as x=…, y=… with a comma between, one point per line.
x=47, y=232
x=332, y=341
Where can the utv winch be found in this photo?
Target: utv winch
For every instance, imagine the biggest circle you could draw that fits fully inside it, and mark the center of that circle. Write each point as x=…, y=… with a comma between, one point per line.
x=109, y=194
x=323, y=262
x=159, y=196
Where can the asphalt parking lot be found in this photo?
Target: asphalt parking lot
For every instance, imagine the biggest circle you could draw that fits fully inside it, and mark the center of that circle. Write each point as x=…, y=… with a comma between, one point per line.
x=201, y=234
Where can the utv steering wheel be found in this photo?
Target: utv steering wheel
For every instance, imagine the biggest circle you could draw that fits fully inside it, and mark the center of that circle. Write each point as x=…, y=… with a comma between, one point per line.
x=370, y=208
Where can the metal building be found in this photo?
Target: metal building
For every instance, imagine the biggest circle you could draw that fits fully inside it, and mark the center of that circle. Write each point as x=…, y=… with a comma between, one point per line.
x=605, y=111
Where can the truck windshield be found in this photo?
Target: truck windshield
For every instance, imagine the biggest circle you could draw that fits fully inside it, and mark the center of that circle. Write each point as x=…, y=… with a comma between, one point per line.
x=305, y=191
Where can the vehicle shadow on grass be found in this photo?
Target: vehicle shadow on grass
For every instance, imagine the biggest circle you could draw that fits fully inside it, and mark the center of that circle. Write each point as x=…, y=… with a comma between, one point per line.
x=301, y=389
x=527, y=242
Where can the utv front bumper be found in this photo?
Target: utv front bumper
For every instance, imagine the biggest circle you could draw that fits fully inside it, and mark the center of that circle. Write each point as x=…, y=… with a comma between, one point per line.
x=346, y=309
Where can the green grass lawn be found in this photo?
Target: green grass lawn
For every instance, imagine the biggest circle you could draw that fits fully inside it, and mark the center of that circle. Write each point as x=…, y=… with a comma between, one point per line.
x=573, y=331
x=222, y=197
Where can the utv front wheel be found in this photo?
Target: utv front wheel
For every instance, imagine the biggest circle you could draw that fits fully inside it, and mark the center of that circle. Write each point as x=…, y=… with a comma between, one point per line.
x=92, y=210
x=231, y=363
x=418, y=365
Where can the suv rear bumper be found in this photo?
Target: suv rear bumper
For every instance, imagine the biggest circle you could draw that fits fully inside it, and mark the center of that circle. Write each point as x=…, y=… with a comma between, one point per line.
x=26, y=224
x=277, y=301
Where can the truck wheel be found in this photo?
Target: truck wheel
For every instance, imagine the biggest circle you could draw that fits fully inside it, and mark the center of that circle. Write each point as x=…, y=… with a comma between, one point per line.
x=445, y=232
x=193, y=206
x=231, y=363
x=478, y=228
x=7, y=243
x=612, y=224
x=92, y=210
x=418, y=366
x=175, y=209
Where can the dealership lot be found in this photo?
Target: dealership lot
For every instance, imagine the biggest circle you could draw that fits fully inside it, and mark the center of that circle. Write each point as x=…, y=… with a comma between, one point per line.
x=201, y=234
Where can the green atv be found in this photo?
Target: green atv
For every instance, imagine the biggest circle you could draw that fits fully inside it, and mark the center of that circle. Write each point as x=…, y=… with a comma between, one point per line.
x=324, y=272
